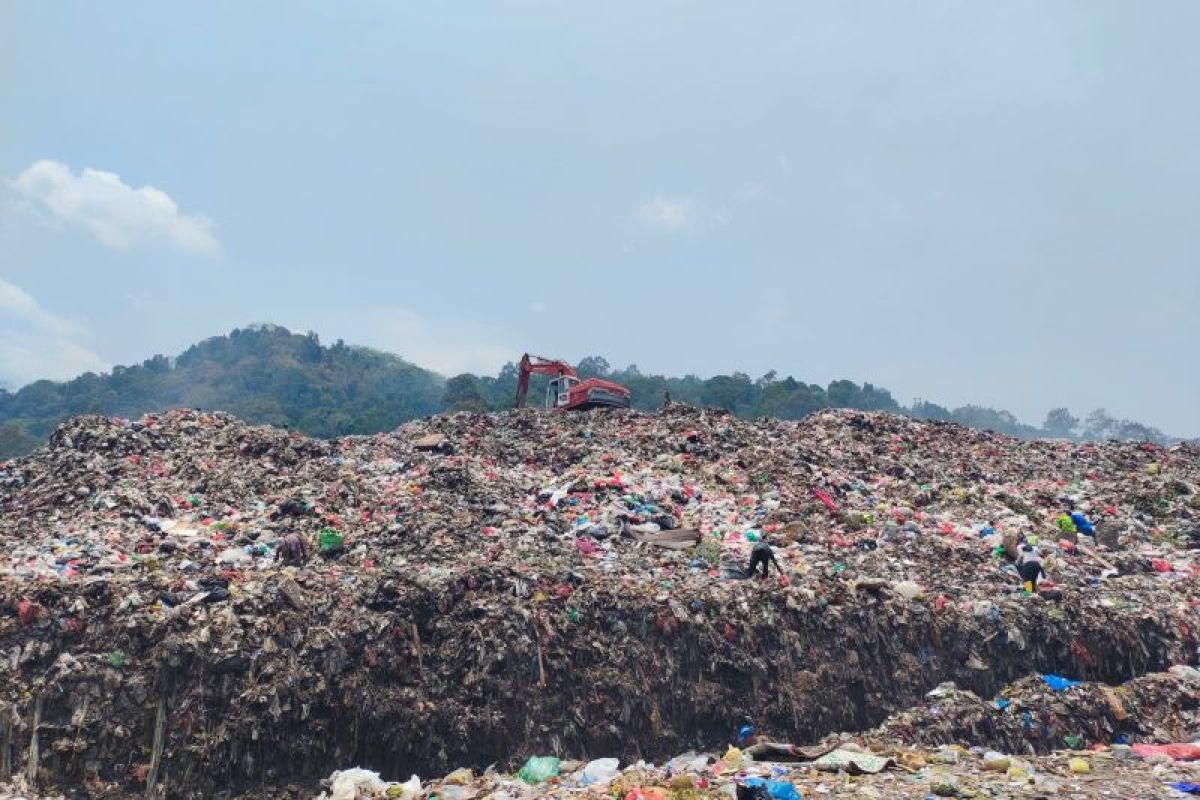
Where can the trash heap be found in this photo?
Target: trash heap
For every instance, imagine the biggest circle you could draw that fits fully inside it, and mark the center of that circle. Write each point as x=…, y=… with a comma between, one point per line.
x=485, y=587
x=783, y=772
x=1044, y=713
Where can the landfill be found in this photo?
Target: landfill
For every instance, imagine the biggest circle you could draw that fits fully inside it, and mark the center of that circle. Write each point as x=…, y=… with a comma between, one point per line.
x=475, y=591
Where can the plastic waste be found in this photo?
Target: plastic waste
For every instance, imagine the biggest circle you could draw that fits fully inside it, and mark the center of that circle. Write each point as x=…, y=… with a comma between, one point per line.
x=1058, y=683
x=1183, y=751
x=601, y=770
x=234, y=555
x=909, y=590
x=539, y=769
x=644, y=794
x=329, y=540
x=996, y=762
x=460, y=777
x=405, y=791
x=349, y=784
x=776, y=790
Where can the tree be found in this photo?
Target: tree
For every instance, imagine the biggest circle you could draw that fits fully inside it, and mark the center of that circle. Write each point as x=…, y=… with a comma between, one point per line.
x=1099, y=425
x=463, y=394
x=593, y=367
x=923, y=409
x=1060, y=422
x=844, y=394
x=1137, y=432
x=875, y=398
x=14, y=441
x=734, y=392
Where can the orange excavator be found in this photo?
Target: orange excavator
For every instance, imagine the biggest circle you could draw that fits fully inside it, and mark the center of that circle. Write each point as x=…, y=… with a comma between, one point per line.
x=566, y=392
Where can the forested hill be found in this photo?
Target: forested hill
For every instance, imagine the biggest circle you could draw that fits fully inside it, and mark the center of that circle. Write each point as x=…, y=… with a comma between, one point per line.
x=267, y=374
x=264, y=374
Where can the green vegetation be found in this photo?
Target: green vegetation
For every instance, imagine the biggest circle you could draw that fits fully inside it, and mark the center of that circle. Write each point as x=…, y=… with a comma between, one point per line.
x=266, y=374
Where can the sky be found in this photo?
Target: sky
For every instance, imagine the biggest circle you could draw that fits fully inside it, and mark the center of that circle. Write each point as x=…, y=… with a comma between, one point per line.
x=990, y=203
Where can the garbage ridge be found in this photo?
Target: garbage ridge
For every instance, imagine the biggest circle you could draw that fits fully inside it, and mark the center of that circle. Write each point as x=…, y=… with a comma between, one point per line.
x=481, y=588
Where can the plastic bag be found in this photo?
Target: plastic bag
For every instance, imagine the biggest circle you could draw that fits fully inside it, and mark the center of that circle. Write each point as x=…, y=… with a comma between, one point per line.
x=909, y=590
x=407, y=790
x=346, y=784
x=328, y=540
x=602, y=770
x=539, y=769
x=732, y=758
x=1182, y=751
x=776, y=790
x=460, y=777
x=1058, y=683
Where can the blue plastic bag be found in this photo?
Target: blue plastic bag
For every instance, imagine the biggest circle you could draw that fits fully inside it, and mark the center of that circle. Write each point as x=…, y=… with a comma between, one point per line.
x=1186, y=788
x=1058, y=683
x=1082, y=524
x=778, y=790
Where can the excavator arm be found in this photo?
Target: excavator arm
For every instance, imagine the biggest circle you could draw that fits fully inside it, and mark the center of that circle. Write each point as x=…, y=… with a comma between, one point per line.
x=531, y=365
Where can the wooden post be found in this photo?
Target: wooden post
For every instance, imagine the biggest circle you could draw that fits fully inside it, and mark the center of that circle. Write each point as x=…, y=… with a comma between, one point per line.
x=160, y=725
x=541, y=666
x=6, y=730
x=31, y=766
x=416, y=634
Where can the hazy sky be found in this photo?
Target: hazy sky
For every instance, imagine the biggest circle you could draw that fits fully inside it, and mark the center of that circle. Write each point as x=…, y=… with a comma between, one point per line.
x=995, y=203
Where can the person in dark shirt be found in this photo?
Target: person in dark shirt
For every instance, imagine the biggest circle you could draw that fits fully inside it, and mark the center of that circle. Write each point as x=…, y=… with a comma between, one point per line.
x=762, y=553
x=1029, y=566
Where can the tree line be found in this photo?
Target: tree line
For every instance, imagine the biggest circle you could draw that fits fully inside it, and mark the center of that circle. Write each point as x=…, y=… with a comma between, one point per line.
x=268, y=375
x=788, y=398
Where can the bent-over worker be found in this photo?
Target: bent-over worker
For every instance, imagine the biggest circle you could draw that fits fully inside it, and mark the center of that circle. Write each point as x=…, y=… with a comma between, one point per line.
x=762, y=553
x=1029, y=567
x=292, y=549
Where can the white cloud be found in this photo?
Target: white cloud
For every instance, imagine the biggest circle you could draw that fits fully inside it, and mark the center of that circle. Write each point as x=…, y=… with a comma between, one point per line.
x=672, y=213
x=35, y=343
x=118, y=215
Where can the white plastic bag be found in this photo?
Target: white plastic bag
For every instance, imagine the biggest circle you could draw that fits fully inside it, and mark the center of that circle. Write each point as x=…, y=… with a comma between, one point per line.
x=347, y=784
x=602, y=770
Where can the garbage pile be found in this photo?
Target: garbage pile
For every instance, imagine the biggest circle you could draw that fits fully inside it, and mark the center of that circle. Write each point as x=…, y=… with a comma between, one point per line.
x=471, y=588
x=1044, y=713
x=846, y=770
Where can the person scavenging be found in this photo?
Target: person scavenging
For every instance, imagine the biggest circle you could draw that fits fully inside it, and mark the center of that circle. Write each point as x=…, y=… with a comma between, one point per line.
x=762, y=553
x=292, y=550
x=1029, y=567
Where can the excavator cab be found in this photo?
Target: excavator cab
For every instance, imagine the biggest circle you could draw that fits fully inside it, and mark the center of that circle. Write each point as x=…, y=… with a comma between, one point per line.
x=558, y=391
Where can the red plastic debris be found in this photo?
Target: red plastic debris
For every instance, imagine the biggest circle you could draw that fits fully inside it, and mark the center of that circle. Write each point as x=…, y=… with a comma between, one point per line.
x=824, y=497
x=29, y=612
